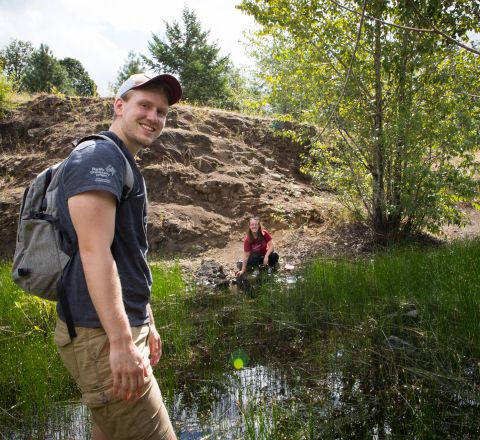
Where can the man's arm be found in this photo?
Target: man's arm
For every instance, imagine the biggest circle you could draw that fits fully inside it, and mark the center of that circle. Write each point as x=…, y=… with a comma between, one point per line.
x=93, y=217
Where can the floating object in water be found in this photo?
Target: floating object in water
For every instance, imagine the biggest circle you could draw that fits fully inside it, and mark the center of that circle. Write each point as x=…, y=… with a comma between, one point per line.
x=238, y=364
x=239, y=359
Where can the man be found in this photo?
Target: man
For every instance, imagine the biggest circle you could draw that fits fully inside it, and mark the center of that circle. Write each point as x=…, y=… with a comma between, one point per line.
x=107, y=282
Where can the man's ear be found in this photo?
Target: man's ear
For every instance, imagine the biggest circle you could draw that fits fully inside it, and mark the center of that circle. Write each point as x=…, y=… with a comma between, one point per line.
x=118, y=106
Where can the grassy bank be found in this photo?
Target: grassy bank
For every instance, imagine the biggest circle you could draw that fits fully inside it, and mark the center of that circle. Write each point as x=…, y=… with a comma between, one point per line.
x=30, y=368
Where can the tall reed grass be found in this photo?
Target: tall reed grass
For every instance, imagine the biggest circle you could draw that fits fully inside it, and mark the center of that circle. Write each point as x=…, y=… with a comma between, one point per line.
x=31, y=370
x=400, y=331
x=169, y=304
x=442, y=286
x=32, y=376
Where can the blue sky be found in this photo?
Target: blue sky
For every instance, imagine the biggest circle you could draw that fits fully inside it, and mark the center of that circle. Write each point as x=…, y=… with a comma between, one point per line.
x=100, y=33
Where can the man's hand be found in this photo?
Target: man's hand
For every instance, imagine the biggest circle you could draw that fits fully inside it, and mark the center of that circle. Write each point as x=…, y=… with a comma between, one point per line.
x=129, y=370
x=155, y=345
x=239, y=273
x=265, y=260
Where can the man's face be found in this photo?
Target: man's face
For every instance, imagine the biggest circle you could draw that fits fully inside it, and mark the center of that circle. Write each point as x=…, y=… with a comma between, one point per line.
x=141, y=117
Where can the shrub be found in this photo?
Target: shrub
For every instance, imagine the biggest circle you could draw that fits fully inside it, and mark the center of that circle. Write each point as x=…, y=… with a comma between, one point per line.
x=6, y=95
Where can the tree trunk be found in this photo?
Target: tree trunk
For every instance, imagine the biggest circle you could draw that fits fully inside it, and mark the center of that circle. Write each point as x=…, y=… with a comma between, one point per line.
x=402, y=123
x=378, y=176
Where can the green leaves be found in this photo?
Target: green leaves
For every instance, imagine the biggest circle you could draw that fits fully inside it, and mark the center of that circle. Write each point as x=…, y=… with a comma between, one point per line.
x=78, y=80
x=14, y=59
x=186, y=53
x=39, y=71
x=44, y=72
x=6, y=95
x=133, y=64
x=402, y=132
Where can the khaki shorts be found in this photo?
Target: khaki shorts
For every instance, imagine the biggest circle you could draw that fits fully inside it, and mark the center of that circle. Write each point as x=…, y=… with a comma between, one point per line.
x=87, y=360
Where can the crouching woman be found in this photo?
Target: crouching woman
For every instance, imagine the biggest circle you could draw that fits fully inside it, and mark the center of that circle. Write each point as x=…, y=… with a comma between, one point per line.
x=258, y=248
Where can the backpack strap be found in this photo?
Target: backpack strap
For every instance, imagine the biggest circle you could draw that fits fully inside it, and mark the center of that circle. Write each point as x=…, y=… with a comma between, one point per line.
x=128, y=178
x=62, y=297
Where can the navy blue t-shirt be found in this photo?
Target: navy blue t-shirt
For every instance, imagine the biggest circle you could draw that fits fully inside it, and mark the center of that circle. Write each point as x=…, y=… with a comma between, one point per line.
x=101, y=166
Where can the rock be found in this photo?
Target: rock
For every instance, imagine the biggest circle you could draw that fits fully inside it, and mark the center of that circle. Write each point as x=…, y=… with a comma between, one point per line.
x=11, y=132
x=269, y=163
x=211, y=274
x=412, y=314
x=276, y=176
x=396, y=343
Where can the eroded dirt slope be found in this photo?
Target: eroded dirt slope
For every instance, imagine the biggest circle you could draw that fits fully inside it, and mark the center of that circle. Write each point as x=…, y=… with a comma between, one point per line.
x=207, y=174
x=209, y=171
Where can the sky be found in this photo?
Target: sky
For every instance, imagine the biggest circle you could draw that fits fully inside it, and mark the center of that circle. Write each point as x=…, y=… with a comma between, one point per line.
x=100, y=33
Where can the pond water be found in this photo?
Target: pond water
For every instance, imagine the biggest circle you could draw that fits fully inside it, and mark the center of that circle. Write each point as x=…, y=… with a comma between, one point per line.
x=61, y=422
x=216, y=413
x=221, y=414
x=255, y=375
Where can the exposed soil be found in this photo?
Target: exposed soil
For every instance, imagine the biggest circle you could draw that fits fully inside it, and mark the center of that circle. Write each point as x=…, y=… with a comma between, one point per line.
x=206, y=175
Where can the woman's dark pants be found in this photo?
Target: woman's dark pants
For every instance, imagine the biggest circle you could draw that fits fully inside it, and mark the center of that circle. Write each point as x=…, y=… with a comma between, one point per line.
x=255, y=260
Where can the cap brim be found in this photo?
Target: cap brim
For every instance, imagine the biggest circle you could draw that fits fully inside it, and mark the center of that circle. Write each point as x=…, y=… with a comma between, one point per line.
x=173, y=83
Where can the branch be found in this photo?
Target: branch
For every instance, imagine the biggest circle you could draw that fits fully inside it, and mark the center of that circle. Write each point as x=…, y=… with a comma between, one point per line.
x=443, y=34
x=340, y=61
x=358, y=185
x=359, y=33
x=369, y=17
x=360, y=155
x=468, y=94
x=434, y=29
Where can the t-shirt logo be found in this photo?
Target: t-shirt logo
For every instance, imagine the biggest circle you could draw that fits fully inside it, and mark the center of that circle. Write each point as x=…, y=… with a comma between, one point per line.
x=103, y=174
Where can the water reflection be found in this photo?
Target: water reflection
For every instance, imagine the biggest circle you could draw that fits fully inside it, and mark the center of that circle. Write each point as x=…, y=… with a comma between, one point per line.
x=224, y=419
x=192, y=419
x=66, y=421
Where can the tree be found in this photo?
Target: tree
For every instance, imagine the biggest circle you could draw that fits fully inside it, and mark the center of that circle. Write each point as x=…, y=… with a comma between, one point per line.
x=15, y=58
x=133, y=64
x=44, y=73
x=6, y=92
x=186, y=53
x=392, y=87
x=78, y=81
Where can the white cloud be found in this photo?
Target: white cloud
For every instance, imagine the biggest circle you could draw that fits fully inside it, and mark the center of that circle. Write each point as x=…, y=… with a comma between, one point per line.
x=101, y=33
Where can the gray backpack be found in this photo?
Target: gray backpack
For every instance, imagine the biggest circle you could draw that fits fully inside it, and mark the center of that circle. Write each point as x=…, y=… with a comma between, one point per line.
x=39, y=260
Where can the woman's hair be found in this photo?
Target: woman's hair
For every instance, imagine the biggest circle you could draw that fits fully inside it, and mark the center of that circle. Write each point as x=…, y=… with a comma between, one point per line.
x=260, y=230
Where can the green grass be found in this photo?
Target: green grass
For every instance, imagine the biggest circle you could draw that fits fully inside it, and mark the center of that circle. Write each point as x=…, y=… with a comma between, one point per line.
x=31, y=370
x=170, y=308
x=32, y=376
x=400, y=329
x=441, y=284
x=328, y=335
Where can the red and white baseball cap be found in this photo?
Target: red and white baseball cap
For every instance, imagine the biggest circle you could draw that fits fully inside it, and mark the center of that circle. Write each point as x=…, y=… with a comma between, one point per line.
x=140, y=80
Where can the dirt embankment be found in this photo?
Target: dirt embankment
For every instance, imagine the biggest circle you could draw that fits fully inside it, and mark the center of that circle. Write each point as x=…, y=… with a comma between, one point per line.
x=206, y=175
